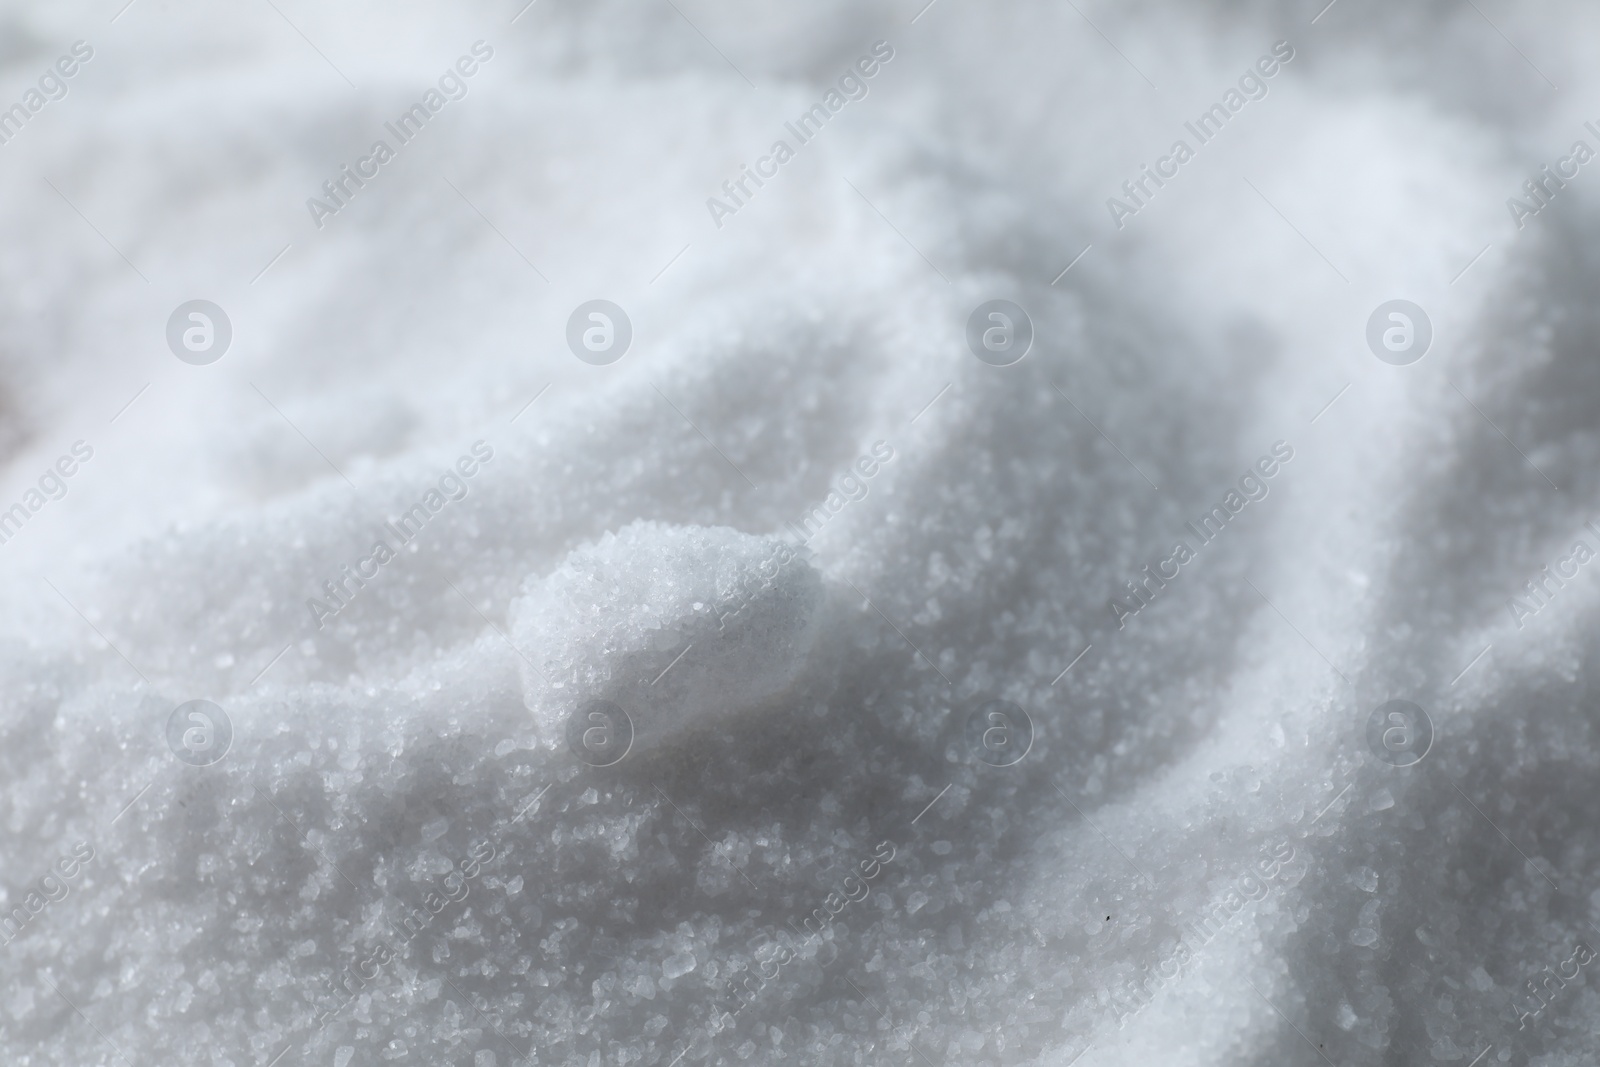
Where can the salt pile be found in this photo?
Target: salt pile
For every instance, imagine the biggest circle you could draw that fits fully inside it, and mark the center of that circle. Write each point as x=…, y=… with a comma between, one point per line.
x=760, y=695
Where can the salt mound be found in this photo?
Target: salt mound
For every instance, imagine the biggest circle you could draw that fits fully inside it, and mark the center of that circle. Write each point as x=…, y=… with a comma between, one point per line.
x=676, y=625
x=402, y=858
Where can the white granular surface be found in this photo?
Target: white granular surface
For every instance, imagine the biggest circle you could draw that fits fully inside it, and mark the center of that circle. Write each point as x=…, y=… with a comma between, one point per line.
x=800, y=858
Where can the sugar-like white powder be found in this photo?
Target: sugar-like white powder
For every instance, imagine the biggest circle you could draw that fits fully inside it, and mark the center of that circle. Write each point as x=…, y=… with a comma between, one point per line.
x=598, y=764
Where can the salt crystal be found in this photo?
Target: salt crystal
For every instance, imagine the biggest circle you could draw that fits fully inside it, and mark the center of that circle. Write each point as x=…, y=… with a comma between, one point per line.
x=678, y=964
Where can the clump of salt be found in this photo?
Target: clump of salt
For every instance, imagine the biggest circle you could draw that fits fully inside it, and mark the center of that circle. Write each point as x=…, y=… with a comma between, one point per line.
x=676, y=625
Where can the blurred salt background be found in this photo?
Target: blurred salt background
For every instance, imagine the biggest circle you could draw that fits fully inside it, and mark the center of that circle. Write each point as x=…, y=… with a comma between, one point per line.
x=381, y=843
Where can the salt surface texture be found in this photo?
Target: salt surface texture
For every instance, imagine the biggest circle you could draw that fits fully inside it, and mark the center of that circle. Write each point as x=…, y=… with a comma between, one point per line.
x=401, y=858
